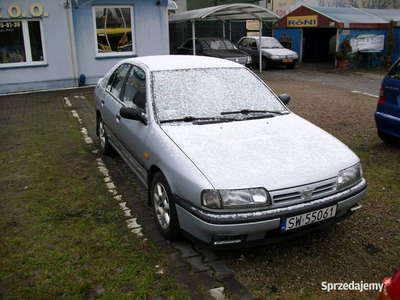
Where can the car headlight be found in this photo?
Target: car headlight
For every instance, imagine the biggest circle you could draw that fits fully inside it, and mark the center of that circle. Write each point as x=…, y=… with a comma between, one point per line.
x=248, y=59
x=349, y=176
x=235, y=198
x=274, y=56
x=294, y=56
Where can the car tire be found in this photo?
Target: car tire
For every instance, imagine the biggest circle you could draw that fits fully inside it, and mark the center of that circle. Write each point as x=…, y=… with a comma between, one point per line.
x=291, y=66
x=164, y=209
x=265, y=64
x=386, y=137
x=105, y=146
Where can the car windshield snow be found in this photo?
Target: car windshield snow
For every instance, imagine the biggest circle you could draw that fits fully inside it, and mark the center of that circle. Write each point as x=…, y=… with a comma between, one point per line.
x=206, y=93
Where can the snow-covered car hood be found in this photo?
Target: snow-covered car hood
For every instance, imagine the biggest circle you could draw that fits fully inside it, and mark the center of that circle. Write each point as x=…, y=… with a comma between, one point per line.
x=280, y=51
x=274, y=153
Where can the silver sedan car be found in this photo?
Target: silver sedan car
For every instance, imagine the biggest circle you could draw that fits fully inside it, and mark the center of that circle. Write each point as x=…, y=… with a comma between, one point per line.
x=226, y=163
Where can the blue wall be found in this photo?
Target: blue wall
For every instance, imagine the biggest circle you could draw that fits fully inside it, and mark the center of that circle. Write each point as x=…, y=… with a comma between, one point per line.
x=293, y=33
x=150, y=31
x=353, y=33
x=59, y=69
x=70, y=45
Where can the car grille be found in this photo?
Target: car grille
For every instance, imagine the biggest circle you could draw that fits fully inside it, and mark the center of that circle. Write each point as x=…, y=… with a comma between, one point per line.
x=239, y=60
x=303, y=193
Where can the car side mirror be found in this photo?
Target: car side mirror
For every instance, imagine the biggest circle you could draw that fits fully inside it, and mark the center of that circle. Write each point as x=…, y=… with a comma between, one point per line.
x=285, y=98
x=132, y=113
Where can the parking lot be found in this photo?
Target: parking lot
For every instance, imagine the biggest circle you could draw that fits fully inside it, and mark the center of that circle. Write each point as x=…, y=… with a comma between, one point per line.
x=363, y=248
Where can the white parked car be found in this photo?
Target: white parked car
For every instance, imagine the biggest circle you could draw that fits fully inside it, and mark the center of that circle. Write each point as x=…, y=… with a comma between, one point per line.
x=273, y=53
x=225, y=161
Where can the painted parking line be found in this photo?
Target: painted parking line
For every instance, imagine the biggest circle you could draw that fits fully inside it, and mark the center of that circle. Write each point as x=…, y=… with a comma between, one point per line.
x=111, y=187
x=366, y=94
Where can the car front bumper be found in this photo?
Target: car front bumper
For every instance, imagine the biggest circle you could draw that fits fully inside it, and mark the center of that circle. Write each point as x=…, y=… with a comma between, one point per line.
x=282, y=62
x=260, y=227
x=387, y=123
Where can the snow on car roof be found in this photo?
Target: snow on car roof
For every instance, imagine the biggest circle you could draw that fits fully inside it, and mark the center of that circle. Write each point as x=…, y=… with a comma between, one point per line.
x=179, y=62
x=263, y=37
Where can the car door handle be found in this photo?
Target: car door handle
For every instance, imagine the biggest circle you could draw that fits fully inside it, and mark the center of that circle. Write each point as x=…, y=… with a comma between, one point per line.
x=102, y=102
x=118, y=118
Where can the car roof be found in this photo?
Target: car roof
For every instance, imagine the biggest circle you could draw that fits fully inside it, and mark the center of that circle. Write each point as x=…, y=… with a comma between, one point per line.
x=210, y=38
x=181, y=62
x=257, y=37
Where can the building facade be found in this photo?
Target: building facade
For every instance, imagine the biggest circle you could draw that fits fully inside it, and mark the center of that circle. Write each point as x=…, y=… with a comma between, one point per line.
x=48, y=44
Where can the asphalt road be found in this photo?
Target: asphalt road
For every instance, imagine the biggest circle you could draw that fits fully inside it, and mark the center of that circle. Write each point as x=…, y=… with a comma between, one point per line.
x=363, y=81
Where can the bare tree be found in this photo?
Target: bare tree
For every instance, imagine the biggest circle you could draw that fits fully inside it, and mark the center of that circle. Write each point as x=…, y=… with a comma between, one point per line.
x=380, y=4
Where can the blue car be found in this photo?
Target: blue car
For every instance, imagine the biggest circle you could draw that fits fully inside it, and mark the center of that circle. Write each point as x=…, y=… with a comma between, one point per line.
x=387, y=115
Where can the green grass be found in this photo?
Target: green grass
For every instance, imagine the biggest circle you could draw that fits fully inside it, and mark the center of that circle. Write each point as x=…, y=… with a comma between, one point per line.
x=59, y=238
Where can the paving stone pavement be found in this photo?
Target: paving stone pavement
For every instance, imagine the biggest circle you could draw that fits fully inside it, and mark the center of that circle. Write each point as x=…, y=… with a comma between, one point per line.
x=205, y=275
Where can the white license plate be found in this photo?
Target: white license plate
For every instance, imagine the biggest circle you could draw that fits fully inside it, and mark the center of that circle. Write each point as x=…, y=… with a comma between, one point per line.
x=308, y=218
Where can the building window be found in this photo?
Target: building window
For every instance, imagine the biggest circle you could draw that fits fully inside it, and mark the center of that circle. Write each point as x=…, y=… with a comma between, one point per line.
x=286, y=41
x=21, y=43
x=114, y=32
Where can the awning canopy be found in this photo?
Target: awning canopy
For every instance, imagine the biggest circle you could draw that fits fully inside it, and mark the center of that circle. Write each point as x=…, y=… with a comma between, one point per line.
x=226, y=12
x=358, y=15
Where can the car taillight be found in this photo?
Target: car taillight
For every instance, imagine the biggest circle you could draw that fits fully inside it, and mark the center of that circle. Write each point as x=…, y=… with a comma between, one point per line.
x=381, y=96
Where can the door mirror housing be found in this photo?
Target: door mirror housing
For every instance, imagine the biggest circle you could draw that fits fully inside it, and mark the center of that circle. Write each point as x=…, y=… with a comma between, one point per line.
x=132, y=113
x=285, y=98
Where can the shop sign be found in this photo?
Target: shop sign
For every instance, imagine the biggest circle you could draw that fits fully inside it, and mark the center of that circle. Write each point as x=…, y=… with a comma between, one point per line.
x=252, y=25
x=14, y=11
x=302, y=21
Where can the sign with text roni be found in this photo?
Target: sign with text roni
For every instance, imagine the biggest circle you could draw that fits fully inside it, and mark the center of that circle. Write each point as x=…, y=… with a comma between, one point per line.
x=302, y=21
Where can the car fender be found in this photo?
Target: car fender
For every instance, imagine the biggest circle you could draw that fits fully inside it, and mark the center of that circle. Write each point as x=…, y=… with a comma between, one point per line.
x=183, y=176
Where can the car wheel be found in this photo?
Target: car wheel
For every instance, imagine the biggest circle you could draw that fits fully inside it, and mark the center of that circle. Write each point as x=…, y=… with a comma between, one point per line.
x=291, y=66
x=105, y=145
x=387, y=138
x=164, y=208
x=265, y=64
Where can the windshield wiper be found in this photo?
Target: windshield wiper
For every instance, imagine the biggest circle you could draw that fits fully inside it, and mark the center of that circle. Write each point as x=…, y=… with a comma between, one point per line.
x=192, y=119
x=250, y=111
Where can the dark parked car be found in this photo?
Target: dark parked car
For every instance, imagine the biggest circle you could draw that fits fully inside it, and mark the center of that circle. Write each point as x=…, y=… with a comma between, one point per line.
x=216, y=47
x=273, y=53
x=387, y=115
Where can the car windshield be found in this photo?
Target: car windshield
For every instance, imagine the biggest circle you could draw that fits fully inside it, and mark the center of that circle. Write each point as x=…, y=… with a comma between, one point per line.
x=206, y=93
x=270, y=43
x=216, y=44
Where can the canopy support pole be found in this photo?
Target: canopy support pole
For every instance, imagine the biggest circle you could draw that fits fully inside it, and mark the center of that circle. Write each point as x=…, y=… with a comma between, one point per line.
x=259, y=45
x=223, y=29
x=194, y=37
x=337, y=44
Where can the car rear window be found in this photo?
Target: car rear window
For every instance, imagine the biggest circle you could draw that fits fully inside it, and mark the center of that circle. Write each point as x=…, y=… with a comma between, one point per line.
x=394, y=72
